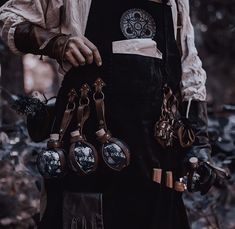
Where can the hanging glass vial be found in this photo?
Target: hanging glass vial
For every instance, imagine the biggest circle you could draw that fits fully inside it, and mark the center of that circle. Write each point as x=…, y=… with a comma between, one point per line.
x=51, y=161
x=115, y=152
x=83, y=156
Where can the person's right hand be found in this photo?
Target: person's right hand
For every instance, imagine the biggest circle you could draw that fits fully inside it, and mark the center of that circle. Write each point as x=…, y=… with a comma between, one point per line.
x=80, y=51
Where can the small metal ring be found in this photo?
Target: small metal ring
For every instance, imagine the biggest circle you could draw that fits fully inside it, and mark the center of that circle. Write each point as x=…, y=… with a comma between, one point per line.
x=85, y=103
x=73, y=106
x=96, y=93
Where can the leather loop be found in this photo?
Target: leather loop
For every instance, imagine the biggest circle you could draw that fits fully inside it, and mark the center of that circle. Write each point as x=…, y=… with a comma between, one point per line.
x=98, y=97
x=86, y=160
x=83, y=113
x=100, y=109
x=68, y=114
x=115, y=152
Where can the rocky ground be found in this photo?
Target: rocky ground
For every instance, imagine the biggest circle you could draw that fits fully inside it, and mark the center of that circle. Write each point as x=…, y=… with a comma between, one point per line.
x=20, y=181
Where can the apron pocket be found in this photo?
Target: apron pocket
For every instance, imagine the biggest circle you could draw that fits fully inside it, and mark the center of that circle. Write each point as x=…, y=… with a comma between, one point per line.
x=135, y=76
x=82, y=211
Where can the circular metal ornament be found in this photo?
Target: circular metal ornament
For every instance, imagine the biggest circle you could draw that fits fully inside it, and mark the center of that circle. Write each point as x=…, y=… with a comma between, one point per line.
x=116, y=154
x=51, y=163
x=137, y=23
x=83, y=157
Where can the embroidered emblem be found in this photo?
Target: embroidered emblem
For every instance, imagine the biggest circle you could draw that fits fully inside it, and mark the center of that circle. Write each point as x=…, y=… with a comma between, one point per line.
x=137, y=23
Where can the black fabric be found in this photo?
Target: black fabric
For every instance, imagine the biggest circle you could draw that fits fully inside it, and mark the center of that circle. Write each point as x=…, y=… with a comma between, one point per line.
x=133, y=98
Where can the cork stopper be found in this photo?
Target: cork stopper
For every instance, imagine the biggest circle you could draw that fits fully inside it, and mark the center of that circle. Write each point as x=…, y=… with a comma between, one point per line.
x=169, y=179
x=38, y=95
x=75, y=133
x=179, y=186
x=100, y=133
x=157, y=175
x=55, y=137
x=193, y=160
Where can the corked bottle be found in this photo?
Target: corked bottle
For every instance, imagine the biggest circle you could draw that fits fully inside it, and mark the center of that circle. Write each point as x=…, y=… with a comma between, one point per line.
x=51, y=161
x=115, y=152
x=83, y=156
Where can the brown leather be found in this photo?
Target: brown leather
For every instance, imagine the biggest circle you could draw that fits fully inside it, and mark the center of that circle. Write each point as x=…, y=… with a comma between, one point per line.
x=68, y=114
x=186, y=136
x=171, y=129
x=105, y=136
x=83, y=112
x=99, y=103
x=100, y=109
x=157, y=175
x=54, y=144
x=30, y=38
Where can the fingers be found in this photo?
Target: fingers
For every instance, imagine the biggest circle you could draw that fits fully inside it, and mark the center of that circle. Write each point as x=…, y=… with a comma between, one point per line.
x=78, y=56
x=85, y=50
x=68, y=56
x=81, y=51
x=95, y=51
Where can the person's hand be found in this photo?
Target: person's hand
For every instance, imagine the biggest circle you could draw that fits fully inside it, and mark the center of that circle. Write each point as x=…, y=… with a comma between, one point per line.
x=202, y=176
x=80, y=51
x=76, y=50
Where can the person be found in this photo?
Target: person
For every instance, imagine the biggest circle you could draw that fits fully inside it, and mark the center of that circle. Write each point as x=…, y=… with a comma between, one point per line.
x=135, y=47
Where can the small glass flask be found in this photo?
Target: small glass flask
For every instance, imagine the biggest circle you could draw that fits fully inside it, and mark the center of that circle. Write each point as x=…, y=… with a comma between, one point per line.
x=115, y=152
x=51, y=161
x=83, y=156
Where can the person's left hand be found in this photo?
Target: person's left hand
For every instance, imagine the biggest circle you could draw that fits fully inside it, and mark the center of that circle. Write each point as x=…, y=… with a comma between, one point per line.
x=202, y=176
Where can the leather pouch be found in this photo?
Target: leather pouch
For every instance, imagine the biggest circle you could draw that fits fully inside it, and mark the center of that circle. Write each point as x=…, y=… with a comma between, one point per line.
x=39, y=125
x=82, y=211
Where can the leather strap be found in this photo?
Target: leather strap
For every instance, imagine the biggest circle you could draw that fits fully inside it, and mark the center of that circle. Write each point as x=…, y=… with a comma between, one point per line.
x=170, y=103
x=83, y=111
x=100, y=109
x=68, y=114
x=186, y=136
x=99, y=103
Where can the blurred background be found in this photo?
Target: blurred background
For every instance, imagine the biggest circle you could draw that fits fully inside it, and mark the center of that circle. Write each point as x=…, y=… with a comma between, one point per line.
x=214, y=23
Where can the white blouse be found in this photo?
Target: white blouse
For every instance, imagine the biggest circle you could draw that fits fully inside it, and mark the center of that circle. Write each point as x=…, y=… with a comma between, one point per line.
x=70, y=17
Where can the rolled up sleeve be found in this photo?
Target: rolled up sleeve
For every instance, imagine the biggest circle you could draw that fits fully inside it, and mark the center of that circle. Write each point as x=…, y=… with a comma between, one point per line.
x=39, y=12
x=193, y=75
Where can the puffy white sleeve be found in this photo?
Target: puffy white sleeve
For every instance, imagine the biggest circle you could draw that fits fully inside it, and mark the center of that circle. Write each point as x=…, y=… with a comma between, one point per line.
x=193, y=75
x=43, y=13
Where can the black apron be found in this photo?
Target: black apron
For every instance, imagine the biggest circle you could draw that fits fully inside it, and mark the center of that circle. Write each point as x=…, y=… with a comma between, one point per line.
x=133, y=98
